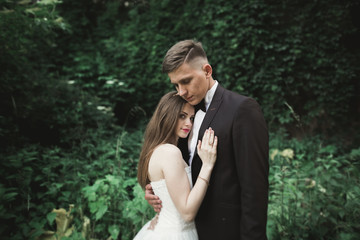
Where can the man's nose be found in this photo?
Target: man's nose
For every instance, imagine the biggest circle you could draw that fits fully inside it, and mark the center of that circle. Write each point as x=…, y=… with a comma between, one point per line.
x=181, y=91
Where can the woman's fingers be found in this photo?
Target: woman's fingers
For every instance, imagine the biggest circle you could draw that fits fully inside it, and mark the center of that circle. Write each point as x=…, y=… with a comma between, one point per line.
x=211, y=136
x=207, y=148
x=208, y=137
x=208, y=140
x=199, y=146
x=215, y=143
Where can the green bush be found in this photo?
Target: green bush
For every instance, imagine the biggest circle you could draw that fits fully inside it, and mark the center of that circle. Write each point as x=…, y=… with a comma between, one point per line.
x=95, y=177
x=293, y=57
x=313, y=191
x=114, y=209
x=79, y=79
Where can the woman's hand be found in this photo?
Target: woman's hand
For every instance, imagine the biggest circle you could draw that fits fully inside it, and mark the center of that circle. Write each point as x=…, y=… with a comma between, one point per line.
x=206, y=148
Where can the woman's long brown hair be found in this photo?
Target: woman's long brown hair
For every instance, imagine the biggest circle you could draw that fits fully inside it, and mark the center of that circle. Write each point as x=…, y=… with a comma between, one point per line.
x=160, y=130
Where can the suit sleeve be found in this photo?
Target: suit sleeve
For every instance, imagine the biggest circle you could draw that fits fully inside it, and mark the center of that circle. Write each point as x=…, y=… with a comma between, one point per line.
x=251, y=150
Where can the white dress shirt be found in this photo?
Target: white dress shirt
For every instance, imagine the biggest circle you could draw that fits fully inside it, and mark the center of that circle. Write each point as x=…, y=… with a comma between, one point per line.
x=199, y=117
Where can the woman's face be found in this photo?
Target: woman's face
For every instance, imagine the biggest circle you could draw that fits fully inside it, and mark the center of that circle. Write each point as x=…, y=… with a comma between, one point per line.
x=185, y=121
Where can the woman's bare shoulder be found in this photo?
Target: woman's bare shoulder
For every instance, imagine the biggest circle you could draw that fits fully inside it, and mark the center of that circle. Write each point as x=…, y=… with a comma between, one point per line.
x=166, y=160
x=168, y=149
x=168, y=152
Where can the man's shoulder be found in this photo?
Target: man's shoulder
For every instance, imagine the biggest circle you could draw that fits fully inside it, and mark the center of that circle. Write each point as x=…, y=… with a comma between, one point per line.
x=237, y=97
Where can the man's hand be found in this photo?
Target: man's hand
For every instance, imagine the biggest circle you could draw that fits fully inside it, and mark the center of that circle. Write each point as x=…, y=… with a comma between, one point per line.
x=152, y=199
x=154, y=222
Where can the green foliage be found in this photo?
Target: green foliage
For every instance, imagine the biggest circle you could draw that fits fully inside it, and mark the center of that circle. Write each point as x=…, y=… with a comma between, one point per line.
x=115, y=209
x=313, y=192
x=79, y=79
x=281, y=53
x=95, y=177
x=35, y=106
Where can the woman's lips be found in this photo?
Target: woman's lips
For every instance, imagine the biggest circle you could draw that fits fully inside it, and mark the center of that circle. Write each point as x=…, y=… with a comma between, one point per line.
x=186, y=130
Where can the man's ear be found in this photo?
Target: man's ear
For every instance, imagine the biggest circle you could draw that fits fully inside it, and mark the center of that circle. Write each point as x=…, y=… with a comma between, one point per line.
x=207, y=69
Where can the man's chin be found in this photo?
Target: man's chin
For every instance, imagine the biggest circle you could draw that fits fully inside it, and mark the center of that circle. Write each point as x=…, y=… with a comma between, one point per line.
x=192, y=102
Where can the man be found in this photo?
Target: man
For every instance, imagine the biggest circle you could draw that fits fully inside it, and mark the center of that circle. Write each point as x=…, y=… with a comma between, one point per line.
x=235, y=205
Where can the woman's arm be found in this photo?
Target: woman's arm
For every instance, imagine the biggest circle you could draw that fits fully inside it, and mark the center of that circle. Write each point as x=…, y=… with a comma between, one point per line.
x=169, y=158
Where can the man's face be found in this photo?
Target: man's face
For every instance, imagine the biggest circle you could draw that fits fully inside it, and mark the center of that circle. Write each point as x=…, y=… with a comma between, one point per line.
x=191, y=82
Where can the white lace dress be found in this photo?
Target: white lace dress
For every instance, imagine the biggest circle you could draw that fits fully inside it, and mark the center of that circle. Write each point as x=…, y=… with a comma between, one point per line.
x=170, y=225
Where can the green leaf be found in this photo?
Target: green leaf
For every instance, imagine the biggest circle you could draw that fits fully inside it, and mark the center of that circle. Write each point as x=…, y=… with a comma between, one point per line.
x=51, y=217
x=9, y=196
x=114, y=231
x=101, y=211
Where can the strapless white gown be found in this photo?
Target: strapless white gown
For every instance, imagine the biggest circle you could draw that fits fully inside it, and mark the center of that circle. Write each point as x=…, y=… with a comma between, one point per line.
x=170, y=225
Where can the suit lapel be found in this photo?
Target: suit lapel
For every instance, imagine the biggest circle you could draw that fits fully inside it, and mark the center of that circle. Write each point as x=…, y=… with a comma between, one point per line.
x=211, y=112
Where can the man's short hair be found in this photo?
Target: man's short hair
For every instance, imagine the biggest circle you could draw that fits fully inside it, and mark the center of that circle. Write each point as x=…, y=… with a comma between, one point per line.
x=182, y=52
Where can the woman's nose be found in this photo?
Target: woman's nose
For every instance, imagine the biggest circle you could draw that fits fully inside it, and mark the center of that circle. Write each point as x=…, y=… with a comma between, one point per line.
x=188, y=122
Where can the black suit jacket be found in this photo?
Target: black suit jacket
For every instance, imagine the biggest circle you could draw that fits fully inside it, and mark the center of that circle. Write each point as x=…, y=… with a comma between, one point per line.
x=235, y=205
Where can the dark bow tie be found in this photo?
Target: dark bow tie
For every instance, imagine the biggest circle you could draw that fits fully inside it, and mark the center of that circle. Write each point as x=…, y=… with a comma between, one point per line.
x=200, y=105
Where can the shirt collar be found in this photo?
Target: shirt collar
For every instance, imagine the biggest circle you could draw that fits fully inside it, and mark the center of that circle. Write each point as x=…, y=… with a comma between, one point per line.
x=210, y=94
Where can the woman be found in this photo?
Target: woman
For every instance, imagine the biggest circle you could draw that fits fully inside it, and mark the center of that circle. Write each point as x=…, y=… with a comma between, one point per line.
x=161, y=164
